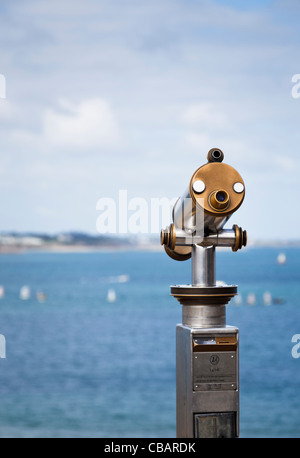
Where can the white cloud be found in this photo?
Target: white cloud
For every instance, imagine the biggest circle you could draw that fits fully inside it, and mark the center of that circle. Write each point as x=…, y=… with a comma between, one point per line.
x=45, y=212
x=206, y=126
x=204, y=115
x=89, y=125
x=170, y=83
x=286, y=163
x=200, y=142
x=7, y=110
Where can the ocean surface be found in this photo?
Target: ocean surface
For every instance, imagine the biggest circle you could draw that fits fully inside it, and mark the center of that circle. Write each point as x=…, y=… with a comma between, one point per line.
x=90, y=349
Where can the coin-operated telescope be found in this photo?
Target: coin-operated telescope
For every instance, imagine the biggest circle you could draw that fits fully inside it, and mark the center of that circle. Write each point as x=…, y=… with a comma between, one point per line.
x=207, y=381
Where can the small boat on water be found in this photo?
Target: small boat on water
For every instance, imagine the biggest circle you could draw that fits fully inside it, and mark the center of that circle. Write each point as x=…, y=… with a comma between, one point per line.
x=267, y=298
x=251, y=299
x=281, y=258
x=24, y=293
x=278, y=300
x=1, y=291
x=111, y=295
x=123, y=278
x=41, y=296
x=238, y=299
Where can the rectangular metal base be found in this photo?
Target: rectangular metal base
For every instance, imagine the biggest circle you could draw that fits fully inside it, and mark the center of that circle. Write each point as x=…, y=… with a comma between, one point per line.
x=207, y=382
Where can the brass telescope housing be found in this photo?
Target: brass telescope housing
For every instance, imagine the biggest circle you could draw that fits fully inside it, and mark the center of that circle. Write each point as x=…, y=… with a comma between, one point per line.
x=216, y=190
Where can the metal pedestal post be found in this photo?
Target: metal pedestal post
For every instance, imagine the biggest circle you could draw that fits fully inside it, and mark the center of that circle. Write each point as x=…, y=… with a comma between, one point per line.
x=207, y=355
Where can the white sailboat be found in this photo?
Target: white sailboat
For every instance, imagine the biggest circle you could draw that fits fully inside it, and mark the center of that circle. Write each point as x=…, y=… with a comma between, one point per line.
x=281, y=258
x=24, y=293
x=111, y=295
x=251, y=299
x=238, y=299
x=267, y=298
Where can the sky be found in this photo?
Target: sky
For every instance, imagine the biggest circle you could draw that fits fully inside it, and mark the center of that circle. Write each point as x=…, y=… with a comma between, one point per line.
x=111, y=95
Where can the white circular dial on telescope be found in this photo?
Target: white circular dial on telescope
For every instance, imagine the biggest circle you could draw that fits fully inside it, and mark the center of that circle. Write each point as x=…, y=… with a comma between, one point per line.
x=238, y=187
x=198, y=186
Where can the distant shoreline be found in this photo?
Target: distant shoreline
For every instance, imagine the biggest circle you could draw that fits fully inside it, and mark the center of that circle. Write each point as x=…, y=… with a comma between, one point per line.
x=79, y=242
x=76, y=249
x=119, y=248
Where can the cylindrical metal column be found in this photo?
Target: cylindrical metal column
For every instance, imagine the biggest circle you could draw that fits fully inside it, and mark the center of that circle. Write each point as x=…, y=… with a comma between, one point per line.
x=204, y=316
x=203, y=266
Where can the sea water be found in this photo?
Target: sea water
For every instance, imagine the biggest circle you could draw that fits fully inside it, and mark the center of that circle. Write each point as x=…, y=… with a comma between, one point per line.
x=90, y=350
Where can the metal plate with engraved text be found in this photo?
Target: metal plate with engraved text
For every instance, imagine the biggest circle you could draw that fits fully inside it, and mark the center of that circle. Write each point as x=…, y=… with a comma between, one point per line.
x=214, y=371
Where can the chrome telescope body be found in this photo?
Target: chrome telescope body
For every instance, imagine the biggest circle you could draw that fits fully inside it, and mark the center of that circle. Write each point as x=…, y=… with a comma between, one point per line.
x=207, y=381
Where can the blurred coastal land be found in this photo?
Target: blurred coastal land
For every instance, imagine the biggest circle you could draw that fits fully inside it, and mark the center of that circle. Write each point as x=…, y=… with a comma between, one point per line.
x=14, y=242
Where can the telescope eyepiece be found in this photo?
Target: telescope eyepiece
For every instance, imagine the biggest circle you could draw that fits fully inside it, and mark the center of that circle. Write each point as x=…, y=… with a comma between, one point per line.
x=219, y=200
x=215, y=155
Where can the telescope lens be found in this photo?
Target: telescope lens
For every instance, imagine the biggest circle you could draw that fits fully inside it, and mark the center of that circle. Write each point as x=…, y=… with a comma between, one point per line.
x=219, y=200
x=221, y=196
x=216, y=154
